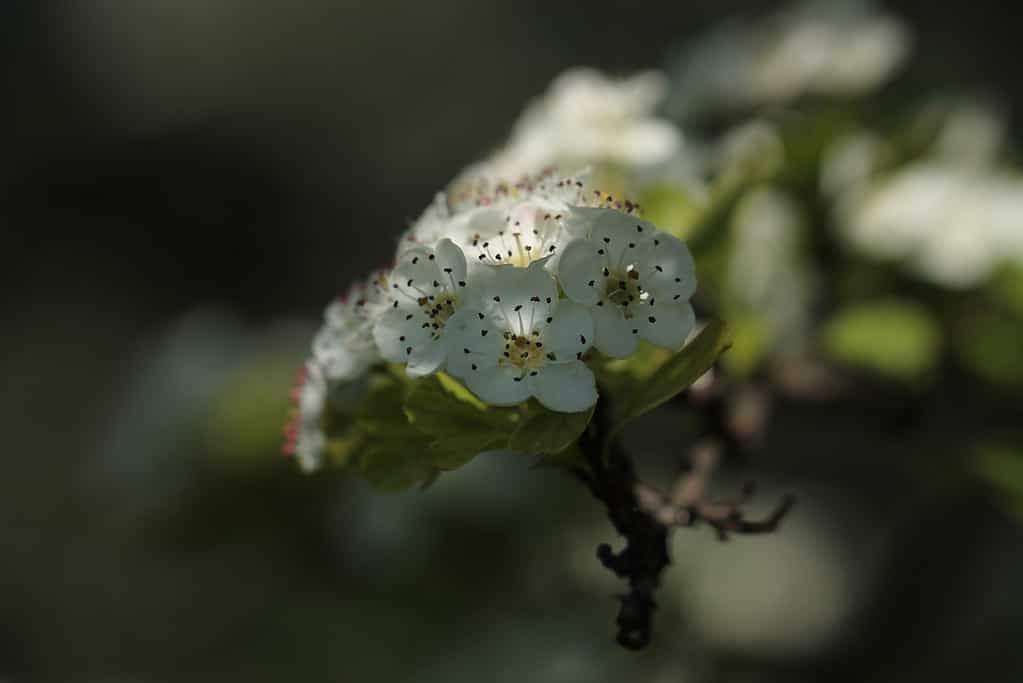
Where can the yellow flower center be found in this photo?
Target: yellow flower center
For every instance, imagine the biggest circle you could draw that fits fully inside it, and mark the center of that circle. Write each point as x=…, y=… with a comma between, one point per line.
x=622, y=288
x=438, y=309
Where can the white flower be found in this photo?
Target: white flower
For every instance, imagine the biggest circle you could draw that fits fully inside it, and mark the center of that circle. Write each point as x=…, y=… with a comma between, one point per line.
x=972, y=133
x=518, y=236
x=431, y=226
x=952, y=225
x=500, y=223
x=586, y=118
x=344, y=346
x=428, y=286
x=824, y=48
x=521, y=341
x=635, y=280
x=304, y=435
x=478, y=204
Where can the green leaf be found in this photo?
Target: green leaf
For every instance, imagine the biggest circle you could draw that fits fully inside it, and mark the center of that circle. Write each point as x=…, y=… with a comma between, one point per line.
x=381, y=409
x=397, y=462
x=1006, y=287
x=451, y=452
x=391, y=453
x=340, y=450
x=459, y=391
x=545, y=431
x=461, y=424
x=893, y=337
x=442, y=407
x=677, y=373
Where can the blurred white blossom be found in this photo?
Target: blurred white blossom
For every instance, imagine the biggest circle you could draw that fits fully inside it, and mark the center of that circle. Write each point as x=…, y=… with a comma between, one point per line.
x=344, y=347
x=951, y=224
x=304, y=435
x=972, y=133
x=587, y=118
x=821, y=48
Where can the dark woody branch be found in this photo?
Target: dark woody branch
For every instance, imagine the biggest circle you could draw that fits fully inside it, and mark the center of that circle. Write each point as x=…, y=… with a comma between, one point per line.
x=645, y=515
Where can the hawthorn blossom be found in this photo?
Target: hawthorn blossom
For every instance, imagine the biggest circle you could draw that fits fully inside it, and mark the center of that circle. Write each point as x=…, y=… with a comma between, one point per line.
x=304, y=436
x=821, y=48
x=502, y=223
x=635, y=280
x=428, y=286
x=433, y=224
x=953, y=225
x=588, y=118
x=522, y=341
x=344, y=346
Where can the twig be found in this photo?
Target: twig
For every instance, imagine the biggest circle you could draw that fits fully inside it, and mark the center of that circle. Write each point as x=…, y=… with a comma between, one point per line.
x=644, y=516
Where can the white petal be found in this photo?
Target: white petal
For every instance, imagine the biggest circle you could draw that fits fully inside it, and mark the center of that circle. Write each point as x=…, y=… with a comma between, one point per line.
x=617, y=235
x=469, y=350
x=337, y=359
x=451, y=262
x=579, y=271
x=426, y=358
x=340, y=312
x=418, y=275
x=666, y=267
x=580, y=220
x=400, y=331
x=570, y=332
x=564, y=387
x=499, y=386
x=666, y=325
x=612, y=333
x=521, y=299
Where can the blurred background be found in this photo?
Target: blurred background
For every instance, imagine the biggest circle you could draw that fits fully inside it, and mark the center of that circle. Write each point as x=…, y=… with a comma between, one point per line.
x=183, y=186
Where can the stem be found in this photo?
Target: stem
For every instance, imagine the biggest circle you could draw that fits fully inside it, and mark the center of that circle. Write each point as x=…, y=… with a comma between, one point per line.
x=646, y=551
x=646, y=526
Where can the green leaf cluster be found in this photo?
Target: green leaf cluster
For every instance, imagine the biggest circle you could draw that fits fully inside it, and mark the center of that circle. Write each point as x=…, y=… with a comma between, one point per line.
x=407, y=431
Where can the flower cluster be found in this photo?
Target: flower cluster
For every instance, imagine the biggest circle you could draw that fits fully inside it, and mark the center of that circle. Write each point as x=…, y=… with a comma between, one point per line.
x=952, y=217
x=507, y=287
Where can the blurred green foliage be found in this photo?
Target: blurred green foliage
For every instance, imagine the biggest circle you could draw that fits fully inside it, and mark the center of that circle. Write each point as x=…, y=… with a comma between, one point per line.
x=899, y=338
